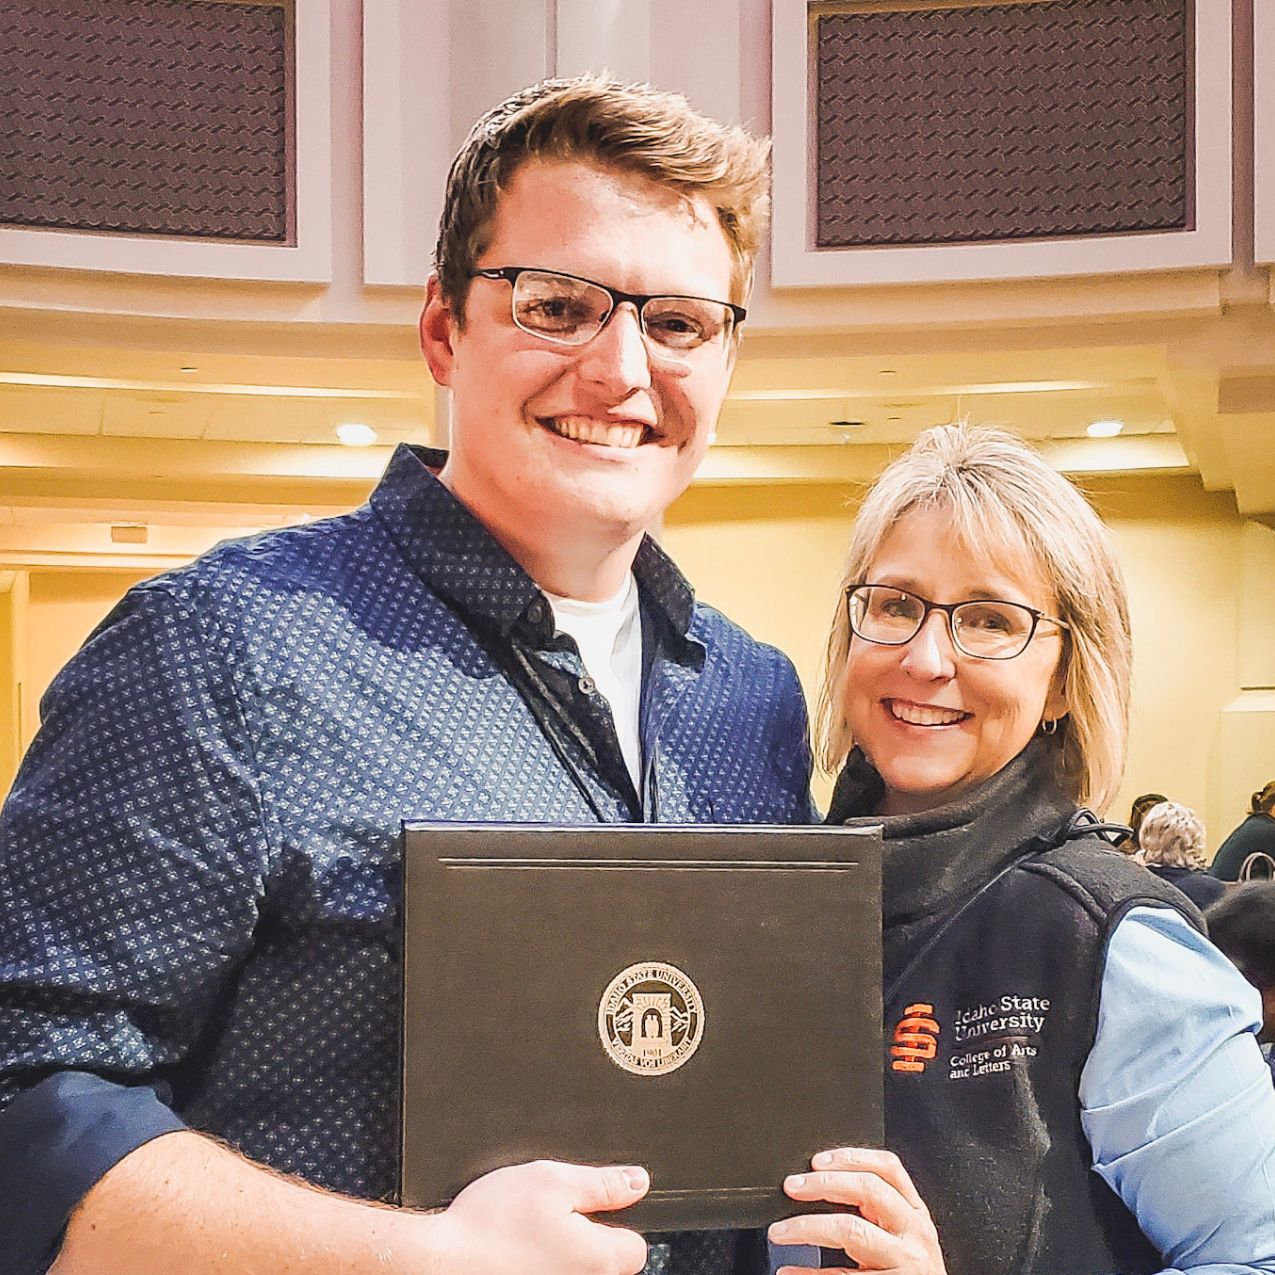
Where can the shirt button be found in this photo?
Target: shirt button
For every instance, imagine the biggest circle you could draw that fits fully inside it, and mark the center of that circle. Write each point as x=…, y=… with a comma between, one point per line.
x=536, y=612
x=587, y=685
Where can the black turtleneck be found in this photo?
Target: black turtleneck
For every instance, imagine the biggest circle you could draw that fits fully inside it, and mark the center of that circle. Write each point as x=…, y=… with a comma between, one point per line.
x=933, y=861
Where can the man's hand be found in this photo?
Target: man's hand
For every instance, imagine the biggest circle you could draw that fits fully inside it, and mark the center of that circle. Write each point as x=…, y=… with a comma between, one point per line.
x=531, y=1217
x=183, y=1203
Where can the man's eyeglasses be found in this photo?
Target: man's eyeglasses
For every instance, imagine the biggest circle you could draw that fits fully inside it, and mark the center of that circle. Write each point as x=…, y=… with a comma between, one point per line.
x=571, y=311
x=988, y=629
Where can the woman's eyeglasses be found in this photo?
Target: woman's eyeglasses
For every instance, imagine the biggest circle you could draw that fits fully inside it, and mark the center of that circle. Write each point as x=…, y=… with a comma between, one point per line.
x=987, y=629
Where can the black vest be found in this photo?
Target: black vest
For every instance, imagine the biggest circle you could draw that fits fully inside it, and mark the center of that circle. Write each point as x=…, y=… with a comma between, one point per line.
x=995, y=936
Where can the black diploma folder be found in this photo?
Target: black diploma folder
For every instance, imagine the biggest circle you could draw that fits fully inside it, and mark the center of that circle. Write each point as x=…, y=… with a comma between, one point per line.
x=701, y=1000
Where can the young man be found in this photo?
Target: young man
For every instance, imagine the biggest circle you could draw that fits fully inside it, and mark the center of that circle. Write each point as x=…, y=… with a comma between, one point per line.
x=198, y=864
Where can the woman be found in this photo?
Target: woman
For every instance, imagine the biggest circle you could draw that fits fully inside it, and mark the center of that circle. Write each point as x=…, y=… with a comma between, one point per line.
x=1255, y=836
x=1073, y=1084
x=1137, y=813
x=1171, y=844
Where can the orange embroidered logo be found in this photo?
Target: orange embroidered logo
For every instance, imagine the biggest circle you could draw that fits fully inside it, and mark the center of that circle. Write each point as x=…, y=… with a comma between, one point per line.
x=915, y=1039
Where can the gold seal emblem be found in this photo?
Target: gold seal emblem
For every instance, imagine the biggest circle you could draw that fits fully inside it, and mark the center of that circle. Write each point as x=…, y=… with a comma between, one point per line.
x=651, y=1018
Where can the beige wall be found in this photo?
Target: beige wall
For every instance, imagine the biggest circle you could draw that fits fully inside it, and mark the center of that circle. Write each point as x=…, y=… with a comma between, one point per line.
x=61, y=609
x=1180, y=547
x=770, y=557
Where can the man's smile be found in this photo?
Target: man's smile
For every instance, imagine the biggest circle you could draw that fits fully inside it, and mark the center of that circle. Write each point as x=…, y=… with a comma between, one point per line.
x=588, y=429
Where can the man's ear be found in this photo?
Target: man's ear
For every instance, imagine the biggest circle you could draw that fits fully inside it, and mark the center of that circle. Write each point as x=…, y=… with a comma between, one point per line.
x=437, y=327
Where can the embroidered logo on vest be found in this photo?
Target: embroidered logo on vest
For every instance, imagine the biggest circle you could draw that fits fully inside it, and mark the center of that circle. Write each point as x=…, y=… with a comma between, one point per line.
x=996, y=1034
x=915, y=1039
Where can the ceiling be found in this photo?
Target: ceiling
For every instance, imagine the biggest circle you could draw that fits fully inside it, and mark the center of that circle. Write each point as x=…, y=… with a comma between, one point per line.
x=194, y=431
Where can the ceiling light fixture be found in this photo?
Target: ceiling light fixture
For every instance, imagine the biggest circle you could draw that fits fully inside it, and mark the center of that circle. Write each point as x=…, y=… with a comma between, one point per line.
x=1105, y=429
x=356, y=434
x=846, y=430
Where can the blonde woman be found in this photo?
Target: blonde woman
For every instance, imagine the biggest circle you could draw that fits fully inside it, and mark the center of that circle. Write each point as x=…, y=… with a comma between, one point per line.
x=1171, y=844
x=1073, y=1083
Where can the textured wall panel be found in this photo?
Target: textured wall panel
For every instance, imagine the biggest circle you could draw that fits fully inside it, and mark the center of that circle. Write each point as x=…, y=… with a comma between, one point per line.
x=152, y=117
x=1008, y=121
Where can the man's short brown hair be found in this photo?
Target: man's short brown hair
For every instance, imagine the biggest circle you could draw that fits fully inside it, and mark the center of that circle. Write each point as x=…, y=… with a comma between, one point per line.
x=633, y=128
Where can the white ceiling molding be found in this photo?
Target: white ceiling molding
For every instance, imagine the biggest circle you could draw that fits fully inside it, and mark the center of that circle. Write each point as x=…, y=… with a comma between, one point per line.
x=797, y=263
x=1264, y=134
x=308, y=260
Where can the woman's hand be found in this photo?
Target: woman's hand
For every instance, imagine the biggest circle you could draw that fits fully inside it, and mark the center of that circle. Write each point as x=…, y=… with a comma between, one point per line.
x=892, y=1230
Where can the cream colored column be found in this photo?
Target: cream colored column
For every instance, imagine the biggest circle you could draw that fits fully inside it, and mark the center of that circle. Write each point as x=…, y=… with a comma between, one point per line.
x=604, y=35
x=716, y=54
x=14, y=714
x=495, y=48
x=1245, y=753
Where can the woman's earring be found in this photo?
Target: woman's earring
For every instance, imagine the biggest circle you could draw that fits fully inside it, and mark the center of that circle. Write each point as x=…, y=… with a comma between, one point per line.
x=1049, y=727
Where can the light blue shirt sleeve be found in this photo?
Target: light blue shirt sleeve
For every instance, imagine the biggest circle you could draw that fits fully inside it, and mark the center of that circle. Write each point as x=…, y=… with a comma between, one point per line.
x=1177, y=1101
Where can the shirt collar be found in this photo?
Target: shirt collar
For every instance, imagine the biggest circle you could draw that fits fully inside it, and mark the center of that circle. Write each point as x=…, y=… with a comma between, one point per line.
x=459, y=559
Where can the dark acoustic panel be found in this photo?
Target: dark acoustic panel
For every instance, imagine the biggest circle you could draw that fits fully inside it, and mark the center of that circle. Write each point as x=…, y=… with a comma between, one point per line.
x=149, y=117
x=1004, y=121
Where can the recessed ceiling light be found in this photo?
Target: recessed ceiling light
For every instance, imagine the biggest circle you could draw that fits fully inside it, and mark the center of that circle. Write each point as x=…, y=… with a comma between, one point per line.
x=356, y=434
x=846, y=431
x=1104, y=429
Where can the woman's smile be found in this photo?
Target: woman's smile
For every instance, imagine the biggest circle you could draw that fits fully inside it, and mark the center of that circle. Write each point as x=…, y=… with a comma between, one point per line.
x=927, y=715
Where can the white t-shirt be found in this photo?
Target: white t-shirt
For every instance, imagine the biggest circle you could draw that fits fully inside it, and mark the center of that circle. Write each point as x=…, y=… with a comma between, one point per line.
x=609, y=637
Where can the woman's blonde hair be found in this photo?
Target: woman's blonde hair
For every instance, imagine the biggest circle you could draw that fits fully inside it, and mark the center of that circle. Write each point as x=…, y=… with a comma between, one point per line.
x=1004, y=500
x=1172, y=836
x=633, y=128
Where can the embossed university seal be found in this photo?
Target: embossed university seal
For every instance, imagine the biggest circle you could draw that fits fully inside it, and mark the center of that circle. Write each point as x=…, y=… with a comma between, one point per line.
x=651, y=1018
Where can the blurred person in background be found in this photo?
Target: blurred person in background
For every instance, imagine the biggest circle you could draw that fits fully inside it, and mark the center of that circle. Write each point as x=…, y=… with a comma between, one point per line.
x=1242, y=924
x=1138, y=812
x=1171, y=844
x=1254, y=836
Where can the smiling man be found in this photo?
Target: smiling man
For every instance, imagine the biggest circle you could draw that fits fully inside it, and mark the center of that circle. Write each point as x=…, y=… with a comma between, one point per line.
x=199, y=925
x=566, y=401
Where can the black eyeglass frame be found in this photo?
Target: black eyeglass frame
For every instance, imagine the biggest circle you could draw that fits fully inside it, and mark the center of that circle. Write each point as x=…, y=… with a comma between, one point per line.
x=949, y=609
x=637, y=300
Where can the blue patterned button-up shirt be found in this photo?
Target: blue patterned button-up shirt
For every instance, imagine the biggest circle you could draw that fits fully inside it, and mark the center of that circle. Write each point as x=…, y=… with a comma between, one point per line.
x=198, y=860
